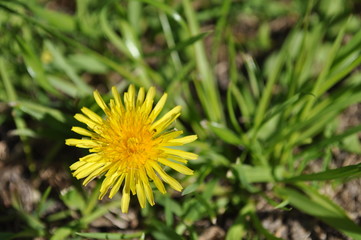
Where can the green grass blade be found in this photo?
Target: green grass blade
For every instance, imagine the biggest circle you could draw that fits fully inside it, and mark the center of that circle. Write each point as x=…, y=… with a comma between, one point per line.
x=168, y=10
x=257, y=174
x=322, y=78
x=343, y=172
x=62, y=233
x=35, y=67
x=316, y=149
x=9, y=88
x=19, y=121
x=135, y=15
x=179, y=46
x=220, y=29
x=82, y=88
x=208, y=84
x=110, y=236
x=40, y=111
x=258, y=225
x=322, y=208
x=168, y=34
x=225, y=134
x=56, y=19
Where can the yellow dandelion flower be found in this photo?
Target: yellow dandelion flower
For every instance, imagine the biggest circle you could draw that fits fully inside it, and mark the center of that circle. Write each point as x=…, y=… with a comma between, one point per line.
x=130, y=145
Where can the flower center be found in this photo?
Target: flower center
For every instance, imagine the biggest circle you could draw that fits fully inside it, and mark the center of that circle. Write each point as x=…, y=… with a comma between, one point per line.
x=128, y=140
x=136, y=147
x=133, y=145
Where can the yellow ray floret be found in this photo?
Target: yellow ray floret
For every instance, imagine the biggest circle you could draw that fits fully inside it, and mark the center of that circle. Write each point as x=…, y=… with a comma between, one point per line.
x=130, y=145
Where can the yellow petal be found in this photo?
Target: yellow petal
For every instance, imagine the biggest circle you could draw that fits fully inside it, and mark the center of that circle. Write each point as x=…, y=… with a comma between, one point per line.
x=166, y=178
x=149, y=193
x=180, y=141
x=116, y=186
x=158, y=108
x=81, y=143
x=158, y=183
x=100, y=101
x=132, y=181
x=76, y=165
x=96, y=173
x=108, y=182
x=117, y=99
x=178, y=159
x=86, y=169
x=116, y=111
x=140, y=193
x=81, y=118
x=148, y=190
x=94, y=157
x=126, y=195
x=82, y=131
x=167, y=119
x=176, y=166
x=170, y=135
x=184, y=140
x=129, y=98
x=150, y=96
x=146, y=108
x=125, y=201
x=92, y=115
x=140, y=98
x=181, y=153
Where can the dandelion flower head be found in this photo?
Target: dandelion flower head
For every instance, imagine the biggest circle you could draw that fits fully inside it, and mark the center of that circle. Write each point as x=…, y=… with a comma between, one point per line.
x=130, y=146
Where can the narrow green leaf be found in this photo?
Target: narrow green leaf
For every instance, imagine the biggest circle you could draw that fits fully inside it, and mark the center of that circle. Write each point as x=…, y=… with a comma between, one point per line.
x=220, y=28
x=88, y=63
x=59, y=216
x=61, y=62
x=64, y=86
x=9, y=88
x=32, y=221
x=24, y=132
x=34, y=66
x=279, y=108
x=59, y=20
x=258, y=225
x=98, y=212
x=40, y=111
x=110, y=236
x=168, y=212
x=190, y=188
x=332, y=174
x=110, y=33
x=257, y=173
x=225, y=134
x=168, y=10
x=352, y=144
x=179, y=46
x=19, y=121
x=92, y=199
x=237, y=230
x=62, y=233
x=208, y=84
x=322, y=81
x=330, y=215
x=73, y=199
x=44, y=197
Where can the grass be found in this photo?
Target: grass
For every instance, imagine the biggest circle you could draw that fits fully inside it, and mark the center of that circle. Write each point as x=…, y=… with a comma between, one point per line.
x=262, y=83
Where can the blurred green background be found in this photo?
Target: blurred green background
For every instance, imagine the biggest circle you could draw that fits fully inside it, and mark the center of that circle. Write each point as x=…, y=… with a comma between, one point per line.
x=272, y=89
